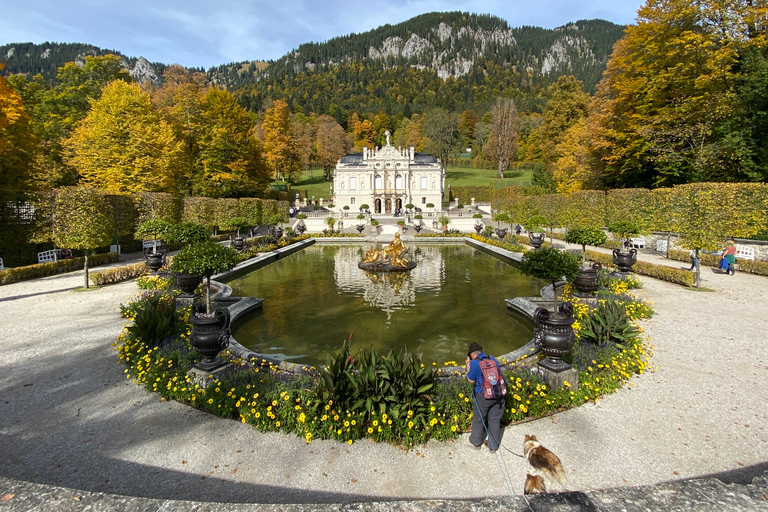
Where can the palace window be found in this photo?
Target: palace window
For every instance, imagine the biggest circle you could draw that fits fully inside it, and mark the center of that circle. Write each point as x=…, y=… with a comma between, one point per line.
x=352, y=183
x=423, y=183
x=352, y=199
x=398, y=182
x=423, y=200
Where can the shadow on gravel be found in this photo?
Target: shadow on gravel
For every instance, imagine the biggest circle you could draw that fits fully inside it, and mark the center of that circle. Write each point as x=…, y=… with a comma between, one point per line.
x=17, y=297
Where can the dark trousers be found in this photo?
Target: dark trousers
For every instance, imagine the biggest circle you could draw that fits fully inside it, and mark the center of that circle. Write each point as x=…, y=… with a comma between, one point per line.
x=490, y=412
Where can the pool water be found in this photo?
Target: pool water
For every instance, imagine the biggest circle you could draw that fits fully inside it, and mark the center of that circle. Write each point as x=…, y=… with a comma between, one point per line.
x=317, y=297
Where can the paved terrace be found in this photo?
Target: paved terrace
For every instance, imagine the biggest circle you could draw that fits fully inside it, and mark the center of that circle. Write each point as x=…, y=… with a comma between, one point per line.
x=74, y=432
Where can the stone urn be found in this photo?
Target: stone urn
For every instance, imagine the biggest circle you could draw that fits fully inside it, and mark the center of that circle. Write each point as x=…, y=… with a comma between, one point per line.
x=276, y=231
x=210, y=335
x=238, y=243
x=418, y=227
x=478, y=228
x=554, y=336
x=536, y=239
x=500, y=232
x=300, y=227
x=154, y=260
x=187, y=283
x=360, y=228
x=624, y=260
x=586, y=280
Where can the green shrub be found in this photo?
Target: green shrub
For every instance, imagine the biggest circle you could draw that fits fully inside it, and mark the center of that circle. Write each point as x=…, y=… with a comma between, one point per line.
x=16, y=274
x=118, y=274
x=608, y=322
x=186, y=233
x=154, y=319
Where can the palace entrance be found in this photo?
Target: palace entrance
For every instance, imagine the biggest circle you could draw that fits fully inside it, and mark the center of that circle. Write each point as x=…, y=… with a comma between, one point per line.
x=388, y=206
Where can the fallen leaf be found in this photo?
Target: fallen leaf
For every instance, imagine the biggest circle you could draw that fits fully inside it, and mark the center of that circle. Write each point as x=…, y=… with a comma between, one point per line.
x=675, y=472
x=183, y=462
x=7, y=497
x=354, y=480
x=77, y=498
x=233, y=471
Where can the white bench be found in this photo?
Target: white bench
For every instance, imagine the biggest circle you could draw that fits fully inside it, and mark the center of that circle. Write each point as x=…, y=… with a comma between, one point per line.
x=638, y=243
x=148, y=244
x=745, y=252
x=48, y=256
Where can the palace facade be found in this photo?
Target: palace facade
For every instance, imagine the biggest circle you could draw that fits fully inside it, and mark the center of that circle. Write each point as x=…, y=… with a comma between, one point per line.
x=387, y=179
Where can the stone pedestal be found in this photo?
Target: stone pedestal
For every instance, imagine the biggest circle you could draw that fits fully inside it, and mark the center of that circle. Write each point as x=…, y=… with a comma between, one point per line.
x=205, y=379
x=557, y=380
x=185, y=300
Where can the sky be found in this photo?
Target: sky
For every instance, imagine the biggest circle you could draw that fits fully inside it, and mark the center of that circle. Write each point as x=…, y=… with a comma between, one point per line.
x=206, y=33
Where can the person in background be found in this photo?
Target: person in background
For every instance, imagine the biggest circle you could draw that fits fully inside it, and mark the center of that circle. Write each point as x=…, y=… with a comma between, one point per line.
x=730, y=257
x=694, y=260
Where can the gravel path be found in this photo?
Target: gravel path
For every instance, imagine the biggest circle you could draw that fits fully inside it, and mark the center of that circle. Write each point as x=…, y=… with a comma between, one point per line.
x=69, y=416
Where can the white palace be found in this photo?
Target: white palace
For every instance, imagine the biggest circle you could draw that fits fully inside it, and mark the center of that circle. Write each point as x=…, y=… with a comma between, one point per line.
x=387, y=179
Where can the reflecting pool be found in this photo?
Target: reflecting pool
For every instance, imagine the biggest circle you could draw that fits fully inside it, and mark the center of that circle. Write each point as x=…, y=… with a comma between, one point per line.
x=317, y=297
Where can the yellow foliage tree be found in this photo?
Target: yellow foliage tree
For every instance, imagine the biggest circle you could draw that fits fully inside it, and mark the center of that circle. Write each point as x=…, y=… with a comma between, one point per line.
x=17, y=143
x=123, y=146
x=279, y=146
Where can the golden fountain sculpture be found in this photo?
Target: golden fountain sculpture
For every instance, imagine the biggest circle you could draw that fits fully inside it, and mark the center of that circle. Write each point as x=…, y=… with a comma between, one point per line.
x=394, y=257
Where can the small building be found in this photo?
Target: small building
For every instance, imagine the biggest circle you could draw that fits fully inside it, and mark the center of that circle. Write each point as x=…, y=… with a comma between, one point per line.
x=387, y=179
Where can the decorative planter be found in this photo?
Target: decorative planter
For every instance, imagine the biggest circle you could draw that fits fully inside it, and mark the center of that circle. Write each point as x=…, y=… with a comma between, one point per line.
x=624, y=260
x=187, y=283
x=586, y=280
x=360, y=228
x=478, y=228
x=300, y=227
x=238, y=243
x=536, y=239
x=209, y=335
x=277, y=232
x=554, y=336
x=418, y=227
x=500, y=232
x=153, y=260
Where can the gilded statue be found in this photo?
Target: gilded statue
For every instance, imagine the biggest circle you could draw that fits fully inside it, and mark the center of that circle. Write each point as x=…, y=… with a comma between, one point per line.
x=394, y=255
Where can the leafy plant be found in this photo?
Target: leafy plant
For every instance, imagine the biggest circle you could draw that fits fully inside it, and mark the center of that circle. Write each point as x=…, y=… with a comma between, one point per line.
x=330, y=221
x=336, y=380
x=585, y=236
x=608, y=322
x=205, y=259
x=534, y=223
x=477, y=216
x=154, y=319
x=625, y=229
x=374, y=222
x=551, y=265
x=276, y=219
x=155, y=229
x=444, y=220
x=361, y=216
x=238, y=223
x=488, y=231
x=186, y=233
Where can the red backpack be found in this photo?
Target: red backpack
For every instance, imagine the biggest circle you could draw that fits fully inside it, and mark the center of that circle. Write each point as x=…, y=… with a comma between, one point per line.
x=493, y=382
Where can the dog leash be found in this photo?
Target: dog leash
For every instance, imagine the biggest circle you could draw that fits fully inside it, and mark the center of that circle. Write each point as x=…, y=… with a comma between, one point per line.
x=503, y=471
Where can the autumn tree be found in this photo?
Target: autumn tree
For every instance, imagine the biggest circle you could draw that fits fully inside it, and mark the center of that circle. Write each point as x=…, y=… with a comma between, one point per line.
x=668, y=109
x=501, y=147
x=123, y=146
x=381, y=123
x=230, y=161
x=279, y=146
x=362, y=133
x=331, y=143
x=57, y=110
x=467, y=121
x=303, y=134
x=575, y=168
x=441, y=132
x=567, y=104
x=17, y=142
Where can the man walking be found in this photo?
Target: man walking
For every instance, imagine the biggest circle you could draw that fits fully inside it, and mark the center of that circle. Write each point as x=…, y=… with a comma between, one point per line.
x=484, y=372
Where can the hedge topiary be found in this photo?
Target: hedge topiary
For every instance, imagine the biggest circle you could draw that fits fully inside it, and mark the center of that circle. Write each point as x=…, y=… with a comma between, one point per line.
x=585, y=237
x=205, y=259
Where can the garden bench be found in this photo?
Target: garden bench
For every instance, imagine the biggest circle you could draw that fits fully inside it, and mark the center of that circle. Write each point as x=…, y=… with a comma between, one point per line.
x=638, y=243
x=48, y=256
x=148, y=244
x=745, y=252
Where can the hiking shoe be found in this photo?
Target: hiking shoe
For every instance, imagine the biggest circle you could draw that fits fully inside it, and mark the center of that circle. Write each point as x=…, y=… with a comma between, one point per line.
x=474, y=447
x=489, y=446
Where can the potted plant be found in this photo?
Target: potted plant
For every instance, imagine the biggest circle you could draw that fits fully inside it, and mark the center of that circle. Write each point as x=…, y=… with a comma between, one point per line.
x=238, y=223
x=364, y=207
x=586, y=281
x=330, y=221
x=499, y=218
x=401, y=225
x=535, y=232
x=418, y=225
x=300, y=227
x=478, y=223
x=444, y=221
x=157, y=228
x=554, y=332
x=275, y=229
x=346, y=209
x=625, y=230
x=374, y=226
x=210, y=332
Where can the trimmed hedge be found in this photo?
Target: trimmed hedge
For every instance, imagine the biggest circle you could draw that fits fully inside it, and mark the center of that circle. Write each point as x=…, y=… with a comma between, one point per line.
x=115, y=275
x=759, y=268
x=16, y=274
x=662, y=272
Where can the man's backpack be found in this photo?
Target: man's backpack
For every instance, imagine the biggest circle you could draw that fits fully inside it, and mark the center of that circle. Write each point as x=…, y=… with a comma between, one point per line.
x=493, y=382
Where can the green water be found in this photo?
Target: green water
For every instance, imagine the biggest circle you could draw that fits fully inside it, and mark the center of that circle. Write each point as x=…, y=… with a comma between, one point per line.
x=317, y=297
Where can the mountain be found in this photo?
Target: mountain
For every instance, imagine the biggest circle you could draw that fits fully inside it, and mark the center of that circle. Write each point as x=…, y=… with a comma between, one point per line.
x=47, y=58
x=453, y=60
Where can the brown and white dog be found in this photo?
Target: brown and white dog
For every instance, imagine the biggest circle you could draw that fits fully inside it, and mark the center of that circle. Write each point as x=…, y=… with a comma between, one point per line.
x=544, y=460
x=534, y=485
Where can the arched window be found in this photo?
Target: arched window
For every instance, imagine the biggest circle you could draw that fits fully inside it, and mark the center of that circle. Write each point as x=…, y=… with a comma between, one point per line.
x=377, y=182
x=398, y=182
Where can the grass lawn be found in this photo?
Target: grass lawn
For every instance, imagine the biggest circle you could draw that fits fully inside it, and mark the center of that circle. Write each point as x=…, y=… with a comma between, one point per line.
x=455, y=176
